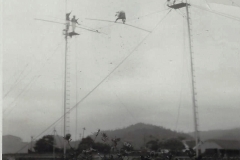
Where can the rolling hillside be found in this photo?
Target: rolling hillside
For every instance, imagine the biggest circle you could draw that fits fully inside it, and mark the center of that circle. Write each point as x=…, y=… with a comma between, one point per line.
x=137, y=135
x=141, y=133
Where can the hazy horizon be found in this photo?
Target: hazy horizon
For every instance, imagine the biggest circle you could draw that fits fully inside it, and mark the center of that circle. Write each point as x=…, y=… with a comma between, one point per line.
x=126, y=127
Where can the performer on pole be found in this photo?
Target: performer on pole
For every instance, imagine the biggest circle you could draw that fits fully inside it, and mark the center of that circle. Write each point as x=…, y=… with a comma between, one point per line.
x=68, y=20
x=74, y=22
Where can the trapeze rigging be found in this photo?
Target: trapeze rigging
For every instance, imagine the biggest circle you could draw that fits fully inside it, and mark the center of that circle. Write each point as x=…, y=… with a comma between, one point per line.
x=122, y=16
x=73, y=22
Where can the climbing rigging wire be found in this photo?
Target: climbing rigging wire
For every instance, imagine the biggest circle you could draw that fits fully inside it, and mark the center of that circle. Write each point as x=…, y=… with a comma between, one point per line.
x=96, y=31
x=32, y=80
x=122, y=104
x=28, y=86
x=235, y=3
x=19, y=79
x=133, y=19
x=181, y=87
x=208, y=5
x=219, y=13
x=145, y=3
x=87, y=26
x=181, y=14
x=21, y=75
x=118, y=23
x=89, y=93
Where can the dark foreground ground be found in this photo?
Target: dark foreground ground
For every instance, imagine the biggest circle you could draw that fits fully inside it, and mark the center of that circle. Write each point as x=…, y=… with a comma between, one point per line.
x=101, y=157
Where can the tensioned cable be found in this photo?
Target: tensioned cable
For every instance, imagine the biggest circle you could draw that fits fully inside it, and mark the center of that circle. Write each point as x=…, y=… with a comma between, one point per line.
x=218, y=13
x=118, y=23
x=15, y=75
x=181, y=90
x=24, y=68
x=101, y=80
x=208, y=4
x=135, y=18
x=130, y=113
x=91, y=29
x=96, y=31
x=28, y=86
x=11, y=77
x=147, y=14
x=87, y=26
x=132, y=19
x=33, y=78
x=144, y=3
x=181, y=14
x=20, y=78
x=235, y=3
x=16, y=81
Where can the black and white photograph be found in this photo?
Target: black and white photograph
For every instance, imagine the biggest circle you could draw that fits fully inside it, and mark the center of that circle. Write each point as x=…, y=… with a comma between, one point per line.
x=120, y=79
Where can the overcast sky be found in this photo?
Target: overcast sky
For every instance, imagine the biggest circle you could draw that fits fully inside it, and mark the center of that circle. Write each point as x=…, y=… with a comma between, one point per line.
x=152, y=86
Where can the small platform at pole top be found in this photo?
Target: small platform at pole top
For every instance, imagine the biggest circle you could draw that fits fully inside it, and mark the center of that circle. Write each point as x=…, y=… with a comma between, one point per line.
x=178, y=6
x=72, y=34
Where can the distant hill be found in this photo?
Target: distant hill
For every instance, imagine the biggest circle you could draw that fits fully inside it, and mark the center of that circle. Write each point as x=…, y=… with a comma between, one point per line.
x=137, y=135
x=12, y=144
x=141, y=133
x=231, y=134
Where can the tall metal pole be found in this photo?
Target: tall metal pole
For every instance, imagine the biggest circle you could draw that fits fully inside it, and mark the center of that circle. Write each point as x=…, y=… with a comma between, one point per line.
x=54, y=136
x=31, y=143
x=65, y=85
x=65, y=82
x=193, y=84
x=83, y=132
x=76, y=130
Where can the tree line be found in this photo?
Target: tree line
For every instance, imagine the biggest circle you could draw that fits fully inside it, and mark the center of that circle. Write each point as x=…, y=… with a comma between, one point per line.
x=46, y=145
